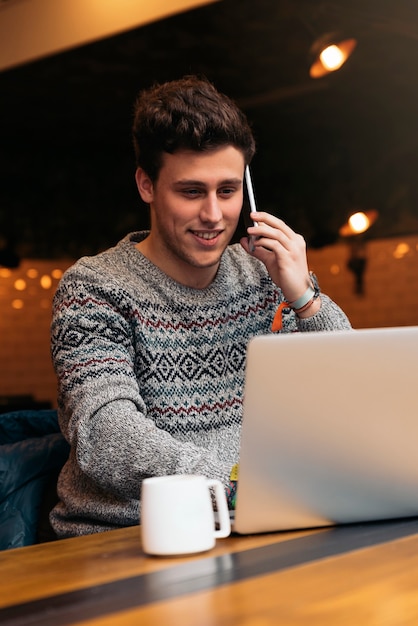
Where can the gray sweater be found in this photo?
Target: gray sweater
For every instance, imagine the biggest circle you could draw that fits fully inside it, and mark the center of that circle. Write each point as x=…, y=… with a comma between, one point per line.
x=151, y=375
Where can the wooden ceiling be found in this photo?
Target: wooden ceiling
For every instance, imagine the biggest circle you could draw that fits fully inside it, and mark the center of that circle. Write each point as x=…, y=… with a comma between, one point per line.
x=325, y=147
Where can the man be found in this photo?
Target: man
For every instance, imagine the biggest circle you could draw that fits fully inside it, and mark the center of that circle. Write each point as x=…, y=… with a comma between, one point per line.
x=149, y=338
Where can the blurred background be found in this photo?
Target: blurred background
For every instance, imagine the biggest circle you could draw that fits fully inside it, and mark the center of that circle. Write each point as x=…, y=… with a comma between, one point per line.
x=326, y=146
x=331, y=145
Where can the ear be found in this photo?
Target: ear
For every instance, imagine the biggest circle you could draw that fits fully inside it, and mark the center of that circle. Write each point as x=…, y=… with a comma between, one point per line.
x=145, y=185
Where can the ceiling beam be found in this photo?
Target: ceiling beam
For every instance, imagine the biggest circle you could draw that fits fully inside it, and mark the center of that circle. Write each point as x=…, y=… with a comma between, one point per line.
x=32, y=29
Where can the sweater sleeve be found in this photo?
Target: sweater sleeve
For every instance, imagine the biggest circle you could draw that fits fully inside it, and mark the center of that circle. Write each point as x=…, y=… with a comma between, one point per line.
x=102, y=412
x=329, y=317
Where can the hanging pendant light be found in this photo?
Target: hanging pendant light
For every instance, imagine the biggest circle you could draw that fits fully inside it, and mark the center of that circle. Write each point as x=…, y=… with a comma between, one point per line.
x=329, y=53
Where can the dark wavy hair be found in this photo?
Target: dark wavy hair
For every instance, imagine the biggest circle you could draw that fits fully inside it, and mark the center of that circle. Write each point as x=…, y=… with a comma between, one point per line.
x=186, y=114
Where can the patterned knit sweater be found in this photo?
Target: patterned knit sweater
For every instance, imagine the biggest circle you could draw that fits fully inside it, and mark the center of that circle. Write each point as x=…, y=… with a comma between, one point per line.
x=151, y=373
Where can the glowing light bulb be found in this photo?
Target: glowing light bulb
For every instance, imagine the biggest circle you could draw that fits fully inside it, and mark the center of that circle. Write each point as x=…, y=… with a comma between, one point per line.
x=56, y=273
x=332, y=58
x=401, y=250
x=45, y=281
x=20, y=284
x=359, y=222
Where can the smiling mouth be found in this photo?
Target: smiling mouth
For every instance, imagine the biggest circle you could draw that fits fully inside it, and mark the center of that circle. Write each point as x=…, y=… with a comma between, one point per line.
x=206, y=235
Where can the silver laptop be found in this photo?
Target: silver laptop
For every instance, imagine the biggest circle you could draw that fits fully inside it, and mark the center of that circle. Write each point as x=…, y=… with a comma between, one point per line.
x=330, y=430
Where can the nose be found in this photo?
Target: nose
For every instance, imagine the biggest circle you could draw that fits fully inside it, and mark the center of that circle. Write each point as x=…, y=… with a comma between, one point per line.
x=210, y=211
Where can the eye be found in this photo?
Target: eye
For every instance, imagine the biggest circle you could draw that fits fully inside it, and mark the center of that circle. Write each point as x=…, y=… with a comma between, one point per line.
x=226, y=192
x=192, y=192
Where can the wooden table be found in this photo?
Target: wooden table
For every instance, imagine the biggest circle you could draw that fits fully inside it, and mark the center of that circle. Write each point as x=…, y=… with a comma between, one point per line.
x=356, y=575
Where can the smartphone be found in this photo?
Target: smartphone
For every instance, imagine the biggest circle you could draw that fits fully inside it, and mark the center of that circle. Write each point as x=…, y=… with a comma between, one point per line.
x=252, y=207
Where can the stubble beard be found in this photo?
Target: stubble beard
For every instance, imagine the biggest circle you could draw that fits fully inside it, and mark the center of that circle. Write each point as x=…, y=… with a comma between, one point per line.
x=177, y=251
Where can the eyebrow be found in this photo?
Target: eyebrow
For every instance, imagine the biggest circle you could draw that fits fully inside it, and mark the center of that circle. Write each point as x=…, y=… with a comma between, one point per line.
x=227, y=181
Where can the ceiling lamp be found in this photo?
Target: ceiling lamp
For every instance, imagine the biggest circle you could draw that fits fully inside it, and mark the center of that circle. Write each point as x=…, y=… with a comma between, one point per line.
x=329, y=53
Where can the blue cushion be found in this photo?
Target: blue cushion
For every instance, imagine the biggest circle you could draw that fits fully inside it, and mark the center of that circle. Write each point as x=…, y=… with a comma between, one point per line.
x=18, y=425
x=31, y=450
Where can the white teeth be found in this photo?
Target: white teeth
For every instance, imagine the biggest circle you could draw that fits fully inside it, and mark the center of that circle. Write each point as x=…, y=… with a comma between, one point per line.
x=206, y=235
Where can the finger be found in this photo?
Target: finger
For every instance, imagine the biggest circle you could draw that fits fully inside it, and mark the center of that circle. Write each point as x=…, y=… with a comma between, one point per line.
x=271, y=237
x=273, y=222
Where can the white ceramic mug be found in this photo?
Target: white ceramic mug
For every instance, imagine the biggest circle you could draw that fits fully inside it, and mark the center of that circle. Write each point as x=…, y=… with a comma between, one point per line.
x=177, y=515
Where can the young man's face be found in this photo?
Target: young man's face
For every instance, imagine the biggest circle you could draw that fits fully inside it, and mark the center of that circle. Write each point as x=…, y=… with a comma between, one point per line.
x=195, y=206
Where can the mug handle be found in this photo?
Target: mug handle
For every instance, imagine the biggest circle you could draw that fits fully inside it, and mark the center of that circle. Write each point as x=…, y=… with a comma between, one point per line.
x=221, y=504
